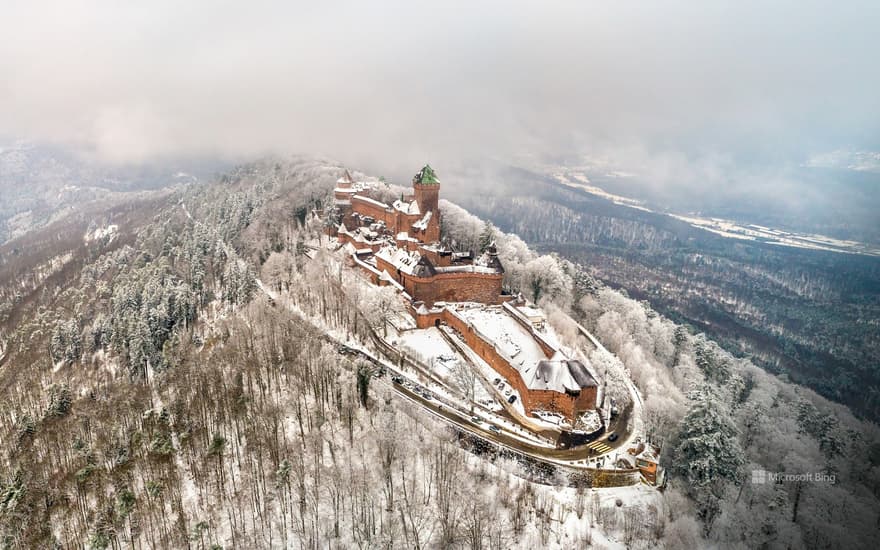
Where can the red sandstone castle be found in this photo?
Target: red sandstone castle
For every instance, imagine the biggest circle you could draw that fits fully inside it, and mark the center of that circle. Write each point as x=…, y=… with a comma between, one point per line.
x=402, y=240
x=399, y=244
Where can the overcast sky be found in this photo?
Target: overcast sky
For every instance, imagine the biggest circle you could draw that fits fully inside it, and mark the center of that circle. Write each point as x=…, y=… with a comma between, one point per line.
x=677, y=87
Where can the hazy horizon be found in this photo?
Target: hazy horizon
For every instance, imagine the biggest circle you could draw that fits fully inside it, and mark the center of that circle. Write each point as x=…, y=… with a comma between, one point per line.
x=691, y=98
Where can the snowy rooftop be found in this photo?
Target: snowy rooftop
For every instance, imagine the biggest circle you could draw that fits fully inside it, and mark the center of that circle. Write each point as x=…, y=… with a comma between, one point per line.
x=531, y=313
x=355, y=187
x=423, y=223
x=399, y=258
x=346, y=178
x=467, y=269
x=516, y=343
x=411, y=207
x=369, y=200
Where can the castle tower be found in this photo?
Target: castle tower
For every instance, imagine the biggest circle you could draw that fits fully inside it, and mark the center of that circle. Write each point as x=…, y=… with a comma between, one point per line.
x=427, y=189
x=346, y=181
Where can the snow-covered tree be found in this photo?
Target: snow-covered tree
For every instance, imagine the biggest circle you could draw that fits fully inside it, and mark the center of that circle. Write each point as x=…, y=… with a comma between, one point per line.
x=487, y=236
x=708, y=451
x=544, y=277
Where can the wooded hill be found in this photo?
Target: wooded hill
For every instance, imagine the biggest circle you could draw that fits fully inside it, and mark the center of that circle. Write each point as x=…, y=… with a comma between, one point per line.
x=152, y=396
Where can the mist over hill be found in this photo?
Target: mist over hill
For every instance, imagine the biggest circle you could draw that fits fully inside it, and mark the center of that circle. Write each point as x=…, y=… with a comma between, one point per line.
x=39, y=181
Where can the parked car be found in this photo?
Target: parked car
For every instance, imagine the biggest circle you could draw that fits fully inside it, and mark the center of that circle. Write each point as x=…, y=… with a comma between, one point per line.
x=427, y=395
x=495, y=429
x=511, y=399
x=475, y=419
x=397, y=379
x=613, y=437
x=496, y=381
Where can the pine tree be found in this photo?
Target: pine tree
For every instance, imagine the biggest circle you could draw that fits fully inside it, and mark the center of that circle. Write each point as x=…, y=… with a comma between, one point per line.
x=711, y=359
x=709, y=451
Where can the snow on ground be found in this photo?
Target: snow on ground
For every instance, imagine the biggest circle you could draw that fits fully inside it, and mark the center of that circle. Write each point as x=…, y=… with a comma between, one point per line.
x=108, y=232
x=600, y=524
x=429, y=346
x=589, y=422
x=731, y=229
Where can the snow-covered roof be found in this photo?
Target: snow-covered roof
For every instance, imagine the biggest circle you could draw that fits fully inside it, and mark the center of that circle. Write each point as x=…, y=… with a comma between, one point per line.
x=561, y=375
x=423, y=223
x=530, y=312
x=411, y=207
x=364, y=198
x=490, y=259
x=513, y=341
x=650, y=454
x=404, y=236
x=473, y=268
x=401, y=259
x=346, y=178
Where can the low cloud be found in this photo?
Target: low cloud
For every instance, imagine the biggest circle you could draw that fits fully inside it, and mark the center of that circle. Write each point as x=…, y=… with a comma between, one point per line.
x=681, y=90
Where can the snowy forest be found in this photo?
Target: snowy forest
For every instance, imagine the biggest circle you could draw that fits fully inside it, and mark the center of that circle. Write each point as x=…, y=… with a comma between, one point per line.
x=171, y=385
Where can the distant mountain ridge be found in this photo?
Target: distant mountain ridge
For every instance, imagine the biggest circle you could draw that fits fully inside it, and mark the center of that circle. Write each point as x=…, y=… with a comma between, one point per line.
x=39, y=181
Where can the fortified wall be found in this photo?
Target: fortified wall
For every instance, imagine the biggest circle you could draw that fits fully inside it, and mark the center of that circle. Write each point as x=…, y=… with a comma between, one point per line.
x=568, y=404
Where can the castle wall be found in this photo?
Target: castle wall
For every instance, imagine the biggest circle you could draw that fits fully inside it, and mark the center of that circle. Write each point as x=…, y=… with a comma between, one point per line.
x=439, y=260
x=455, y=287
x=547, y=400
x=368, y=208
x=448, y=287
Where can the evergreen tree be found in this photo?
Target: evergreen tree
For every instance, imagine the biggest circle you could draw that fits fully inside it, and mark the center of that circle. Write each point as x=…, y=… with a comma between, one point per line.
x=708, y=451
x=711, y=359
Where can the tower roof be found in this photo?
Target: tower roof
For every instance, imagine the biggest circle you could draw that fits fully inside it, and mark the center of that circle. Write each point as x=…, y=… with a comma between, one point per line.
x=346, y=178
x=426, y=176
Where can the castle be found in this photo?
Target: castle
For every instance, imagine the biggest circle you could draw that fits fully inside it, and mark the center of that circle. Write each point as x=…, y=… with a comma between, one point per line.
x=399, y=244
x=402, y=240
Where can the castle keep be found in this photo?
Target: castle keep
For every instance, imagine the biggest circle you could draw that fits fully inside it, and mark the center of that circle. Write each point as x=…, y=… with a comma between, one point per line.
x=402, y=240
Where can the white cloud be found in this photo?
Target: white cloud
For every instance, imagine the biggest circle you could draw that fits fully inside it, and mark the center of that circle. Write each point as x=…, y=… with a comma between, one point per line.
x=682, y=88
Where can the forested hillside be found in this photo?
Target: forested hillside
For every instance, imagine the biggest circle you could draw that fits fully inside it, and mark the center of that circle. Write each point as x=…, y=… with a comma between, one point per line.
x=720, y=418
x=153, y=395
x=809, y=314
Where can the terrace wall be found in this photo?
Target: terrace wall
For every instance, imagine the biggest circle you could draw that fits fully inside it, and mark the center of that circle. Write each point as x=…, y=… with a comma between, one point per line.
x=448, y=287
